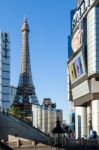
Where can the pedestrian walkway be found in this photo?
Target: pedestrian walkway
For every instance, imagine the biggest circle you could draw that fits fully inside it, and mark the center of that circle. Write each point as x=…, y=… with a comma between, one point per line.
x=38, y=148
x=14, y=125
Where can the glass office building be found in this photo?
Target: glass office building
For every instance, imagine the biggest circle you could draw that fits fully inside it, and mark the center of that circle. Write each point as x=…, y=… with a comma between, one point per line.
x=4, y=71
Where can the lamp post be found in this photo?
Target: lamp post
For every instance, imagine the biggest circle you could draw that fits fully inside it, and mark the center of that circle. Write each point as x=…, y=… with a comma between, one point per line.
x=58, y=133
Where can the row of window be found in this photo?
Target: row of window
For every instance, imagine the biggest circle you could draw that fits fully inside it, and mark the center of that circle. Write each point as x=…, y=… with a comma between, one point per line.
x=5, y=76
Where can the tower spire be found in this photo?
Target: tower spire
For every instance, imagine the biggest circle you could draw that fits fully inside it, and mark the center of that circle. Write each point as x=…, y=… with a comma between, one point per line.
x=25, y=25
x=25, y=94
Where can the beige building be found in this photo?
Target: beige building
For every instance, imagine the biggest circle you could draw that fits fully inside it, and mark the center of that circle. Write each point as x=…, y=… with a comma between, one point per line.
x=45, y=116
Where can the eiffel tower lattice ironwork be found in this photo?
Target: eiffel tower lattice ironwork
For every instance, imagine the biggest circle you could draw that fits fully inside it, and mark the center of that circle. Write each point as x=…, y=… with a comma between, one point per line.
x=25, y=95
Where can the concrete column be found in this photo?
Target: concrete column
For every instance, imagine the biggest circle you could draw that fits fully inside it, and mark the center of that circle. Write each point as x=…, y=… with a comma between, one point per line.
x=45, y=120
x=81, y=121
x=35, y=115
x=89, y=120
x=95, y=115
x=39, y=117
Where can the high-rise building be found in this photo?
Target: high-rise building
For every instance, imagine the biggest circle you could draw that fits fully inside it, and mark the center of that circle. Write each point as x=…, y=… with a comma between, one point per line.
x=4, y=71
x=25, y=95
x=84, y=67
x=70, y=52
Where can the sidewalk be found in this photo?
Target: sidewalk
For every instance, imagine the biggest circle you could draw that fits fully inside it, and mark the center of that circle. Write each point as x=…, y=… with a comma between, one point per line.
x=38, y=148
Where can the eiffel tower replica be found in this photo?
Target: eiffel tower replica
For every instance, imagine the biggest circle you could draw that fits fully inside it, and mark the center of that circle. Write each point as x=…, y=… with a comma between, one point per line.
x=25, y=95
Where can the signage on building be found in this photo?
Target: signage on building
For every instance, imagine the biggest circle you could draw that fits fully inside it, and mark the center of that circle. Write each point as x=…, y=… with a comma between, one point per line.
x=76, y=68
x=83, y=6
x=79, y=2
x=77, y=39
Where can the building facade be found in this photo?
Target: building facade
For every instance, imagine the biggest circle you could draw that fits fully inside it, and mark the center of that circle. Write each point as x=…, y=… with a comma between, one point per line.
x=4, y=71
x=84, y=67
x=45, y=116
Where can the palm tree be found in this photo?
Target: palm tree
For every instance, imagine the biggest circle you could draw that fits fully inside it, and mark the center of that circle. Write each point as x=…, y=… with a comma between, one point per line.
x=14, y=111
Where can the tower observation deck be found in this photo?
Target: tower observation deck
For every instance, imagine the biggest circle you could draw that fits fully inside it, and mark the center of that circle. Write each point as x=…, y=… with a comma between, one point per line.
x=25, y=95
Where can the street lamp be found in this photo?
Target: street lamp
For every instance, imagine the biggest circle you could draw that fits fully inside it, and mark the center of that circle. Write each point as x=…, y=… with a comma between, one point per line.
x=58, y=133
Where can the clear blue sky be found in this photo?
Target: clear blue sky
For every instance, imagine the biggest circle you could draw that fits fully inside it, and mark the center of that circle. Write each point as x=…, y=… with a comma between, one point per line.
x=49, y=22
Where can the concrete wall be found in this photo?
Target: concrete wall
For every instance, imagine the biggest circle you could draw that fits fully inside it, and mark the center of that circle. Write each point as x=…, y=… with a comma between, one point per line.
x=81, y=90
x=93, y=40
x=94, y=86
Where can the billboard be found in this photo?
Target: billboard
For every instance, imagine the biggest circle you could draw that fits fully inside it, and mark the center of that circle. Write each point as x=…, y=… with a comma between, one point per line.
x=77, y=39
x=76, y=68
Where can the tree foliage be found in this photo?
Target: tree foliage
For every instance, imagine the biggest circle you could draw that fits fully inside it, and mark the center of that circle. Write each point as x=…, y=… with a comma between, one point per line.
x=16, y=112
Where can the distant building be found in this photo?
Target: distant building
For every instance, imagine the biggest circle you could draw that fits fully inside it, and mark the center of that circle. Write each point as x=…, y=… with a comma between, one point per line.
x=47, y=103
x=13, y=90
x=45, y=115
x=72, y=123
x=4, y=71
